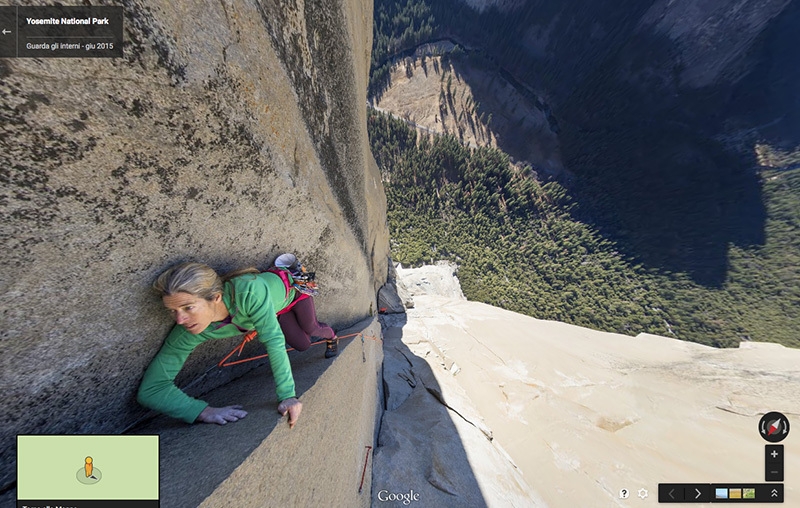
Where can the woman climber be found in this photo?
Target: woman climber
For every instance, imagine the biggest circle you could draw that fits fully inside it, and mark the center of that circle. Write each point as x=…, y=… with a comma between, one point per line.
x=206, y=306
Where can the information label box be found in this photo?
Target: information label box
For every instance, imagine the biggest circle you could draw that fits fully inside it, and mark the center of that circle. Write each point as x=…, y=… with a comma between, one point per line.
x=61, y=32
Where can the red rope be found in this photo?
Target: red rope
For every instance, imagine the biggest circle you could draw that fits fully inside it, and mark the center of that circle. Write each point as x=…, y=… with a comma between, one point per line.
x=364, y=472
x=252, y=335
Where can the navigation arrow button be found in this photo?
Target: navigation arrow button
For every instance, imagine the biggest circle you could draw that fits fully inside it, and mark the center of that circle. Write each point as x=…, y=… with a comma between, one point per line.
x=6, y=31
x=698, y=493
x=670, y=492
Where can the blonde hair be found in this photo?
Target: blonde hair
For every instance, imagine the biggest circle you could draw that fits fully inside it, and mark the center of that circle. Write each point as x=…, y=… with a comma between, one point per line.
x=197, y=279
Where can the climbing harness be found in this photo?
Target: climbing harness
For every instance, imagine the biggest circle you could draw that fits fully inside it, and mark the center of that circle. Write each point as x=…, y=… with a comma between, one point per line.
x=294, y=276
x=252, y=335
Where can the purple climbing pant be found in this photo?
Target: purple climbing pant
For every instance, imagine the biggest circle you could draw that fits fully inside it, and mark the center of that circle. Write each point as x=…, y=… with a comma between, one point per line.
x=300, y=323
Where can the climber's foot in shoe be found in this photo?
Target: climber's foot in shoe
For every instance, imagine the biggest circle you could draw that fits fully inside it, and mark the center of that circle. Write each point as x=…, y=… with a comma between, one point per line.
x=332, y=347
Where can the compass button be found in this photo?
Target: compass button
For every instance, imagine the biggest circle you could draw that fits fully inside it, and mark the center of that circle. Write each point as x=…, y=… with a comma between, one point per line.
x=773, y=427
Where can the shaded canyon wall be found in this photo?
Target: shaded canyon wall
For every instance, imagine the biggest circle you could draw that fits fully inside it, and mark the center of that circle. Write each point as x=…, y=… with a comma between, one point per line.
x=662, y=108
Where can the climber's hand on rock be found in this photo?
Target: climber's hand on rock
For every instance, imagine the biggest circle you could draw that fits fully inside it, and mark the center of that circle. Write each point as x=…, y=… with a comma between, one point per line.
x=293, y=407
x=221, y=415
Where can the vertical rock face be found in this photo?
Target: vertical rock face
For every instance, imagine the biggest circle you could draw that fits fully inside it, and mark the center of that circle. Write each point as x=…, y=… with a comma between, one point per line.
x=711, y=38
x=719, y=69
x=230, y=132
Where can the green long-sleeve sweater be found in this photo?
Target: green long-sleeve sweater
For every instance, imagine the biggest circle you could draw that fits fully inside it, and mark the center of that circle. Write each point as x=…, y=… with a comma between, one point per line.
x=252, y=301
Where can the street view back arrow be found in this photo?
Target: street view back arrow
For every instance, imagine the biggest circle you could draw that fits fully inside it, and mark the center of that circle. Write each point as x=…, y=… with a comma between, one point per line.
x=6, y=31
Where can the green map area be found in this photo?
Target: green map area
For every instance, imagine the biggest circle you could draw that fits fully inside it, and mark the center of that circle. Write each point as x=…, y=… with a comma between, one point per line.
x=54, y=467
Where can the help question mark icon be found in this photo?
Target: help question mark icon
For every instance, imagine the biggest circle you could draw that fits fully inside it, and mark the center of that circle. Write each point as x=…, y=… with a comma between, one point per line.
x=624, y=493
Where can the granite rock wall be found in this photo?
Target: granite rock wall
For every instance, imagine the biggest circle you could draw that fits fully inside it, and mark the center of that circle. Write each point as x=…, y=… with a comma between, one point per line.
x=230, y=132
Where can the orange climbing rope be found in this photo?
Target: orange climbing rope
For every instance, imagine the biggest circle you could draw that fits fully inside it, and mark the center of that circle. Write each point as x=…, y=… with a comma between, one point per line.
x=252, y=335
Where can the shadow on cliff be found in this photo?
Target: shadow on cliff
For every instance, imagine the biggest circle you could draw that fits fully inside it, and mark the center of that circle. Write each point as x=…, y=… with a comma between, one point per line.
x=196, y=459
x=665, y=170
x=671, y=172
x=419, y=448
x=670, y=200
x=655, y=180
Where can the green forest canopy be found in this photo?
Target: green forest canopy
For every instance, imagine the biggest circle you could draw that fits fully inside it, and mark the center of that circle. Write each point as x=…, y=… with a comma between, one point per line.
x=519, y=246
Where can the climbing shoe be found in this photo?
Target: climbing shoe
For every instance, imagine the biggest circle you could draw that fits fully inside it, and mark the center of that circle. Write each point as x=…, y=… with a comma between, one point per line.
x=332, y=347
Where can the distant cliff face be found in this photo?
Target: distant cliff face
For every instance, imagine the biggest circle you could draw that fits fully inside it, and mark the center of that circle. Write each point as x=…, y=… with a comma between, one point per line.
x=667, y=50
x=229, y=133
x=724, y=67
x=711, y=38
